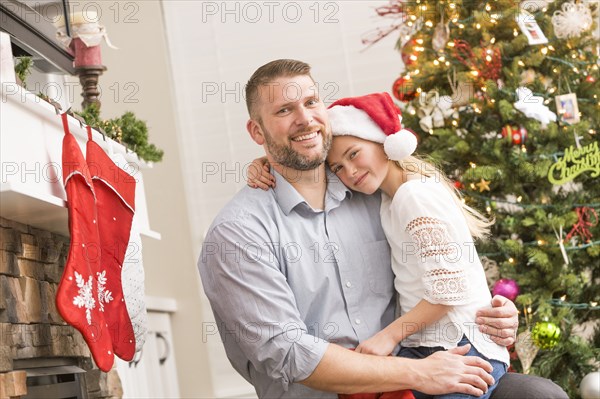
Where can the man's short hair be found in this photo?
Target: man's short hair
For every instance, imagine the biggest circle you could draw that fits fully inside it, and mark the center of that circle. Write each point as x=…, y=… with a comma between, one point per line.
x=268, y=73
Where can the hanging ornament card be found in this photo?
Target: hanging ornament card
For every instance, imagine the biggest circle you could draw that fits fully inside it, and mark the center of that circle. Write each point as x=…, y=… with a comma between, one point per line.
x=530, y=28
x=567, y=109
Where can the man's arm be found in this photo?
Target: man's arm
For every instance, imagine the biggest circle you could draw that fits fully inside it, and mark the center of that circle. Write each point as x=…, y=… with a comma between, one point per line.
x=253, y=304
x=501, y=321
x=344, y=371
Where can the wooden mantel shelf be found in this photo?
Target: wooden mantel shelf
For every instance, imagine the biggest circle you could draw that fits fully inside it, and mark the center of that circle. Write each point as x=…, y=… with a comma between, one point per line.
x=31, y=188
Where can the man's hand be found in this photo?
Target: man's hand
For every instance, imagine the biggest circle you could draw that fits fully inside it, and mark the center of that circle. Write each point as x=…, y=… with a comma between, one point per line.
x=381, y=344
x=451, y=371
x=344, y=371
x=501, y=321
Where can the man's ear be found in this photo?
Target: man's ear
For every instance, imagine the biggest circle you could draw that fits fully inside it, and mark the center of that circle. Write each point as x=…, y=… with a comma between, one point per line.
x=255, y=131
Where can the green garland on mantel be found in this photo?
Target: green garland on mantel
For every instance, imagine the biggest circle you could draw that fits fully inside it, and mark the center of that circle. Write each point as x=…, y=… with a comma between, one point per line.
x=23, y=69
x=127, y=130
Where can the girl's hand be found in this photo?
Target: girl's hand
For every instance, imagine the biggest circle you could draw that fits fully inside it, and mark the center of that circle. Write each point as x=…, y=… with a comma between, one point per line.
x=501, y=321
x=259, y=175
x=381, y=344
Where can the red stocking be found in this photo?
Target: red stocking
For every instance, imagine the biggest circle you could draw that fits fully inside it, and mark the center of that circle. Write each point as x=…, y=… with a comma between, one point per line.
x=132, y=275
x=77, y=295
x=115, y=198
x=405, y=394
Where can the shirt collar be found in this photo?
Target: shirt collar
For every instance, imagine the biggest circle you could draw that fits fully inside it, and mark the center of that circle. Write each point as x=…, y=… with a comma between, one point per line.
x=335, y=188
x=286, y=195
x=288, y=198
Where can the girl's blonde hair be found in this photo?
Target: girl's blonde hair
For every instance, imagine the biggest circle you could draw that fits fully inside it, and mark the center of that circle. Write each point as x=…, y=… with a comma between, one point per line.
x=479, y=225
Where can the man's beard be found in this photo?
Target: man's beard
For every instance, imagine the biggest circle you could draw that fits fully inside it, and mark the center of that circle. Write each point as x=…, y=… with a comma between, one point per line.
x=285, y=155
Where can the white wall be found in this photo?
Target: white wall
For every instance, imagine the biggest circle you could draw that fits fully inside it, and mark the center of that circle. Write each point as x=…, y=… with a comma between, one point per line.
x=214, y=48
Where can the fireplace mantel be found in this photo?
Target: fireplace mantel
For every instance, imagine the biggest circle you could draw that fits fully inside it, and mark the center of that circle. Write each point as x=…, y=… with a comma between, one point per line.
x=31, y=188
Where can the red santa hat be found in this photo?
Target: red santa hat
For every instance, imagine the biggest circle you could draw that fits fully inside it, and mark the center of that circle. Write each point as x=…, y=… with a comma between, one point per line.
x=373, y=117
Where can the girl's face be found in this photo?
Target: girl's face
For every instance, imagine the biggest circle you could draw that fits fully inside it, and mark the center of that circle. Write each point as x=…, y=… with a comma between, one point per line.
x=360, y=164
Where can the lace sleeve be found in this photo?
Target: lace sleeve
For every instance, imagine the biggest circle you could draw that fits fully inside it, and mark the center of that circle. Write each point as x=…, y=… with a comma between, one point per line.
x=445, y=280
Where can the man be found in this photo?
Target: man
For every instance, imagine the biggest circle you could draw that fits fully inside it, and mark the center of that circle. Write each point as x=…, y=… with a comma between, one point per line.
x=298, y=274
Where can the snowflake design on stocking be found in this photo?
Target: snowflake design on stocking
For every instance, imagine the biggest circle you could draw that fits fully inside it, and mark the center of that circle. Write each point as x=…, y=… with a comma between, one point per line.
x=104, y=295
x=85, y=297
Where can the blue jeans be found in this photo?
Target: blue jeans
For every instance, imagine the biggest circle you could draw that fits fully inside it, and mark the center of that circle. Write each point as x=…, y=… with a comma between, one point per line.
x=424, y=351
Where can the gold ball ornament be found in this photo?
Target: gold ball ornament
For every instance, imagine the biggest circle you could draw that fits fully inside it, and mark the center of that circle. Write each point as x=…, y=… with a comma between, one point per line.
x=546, y=335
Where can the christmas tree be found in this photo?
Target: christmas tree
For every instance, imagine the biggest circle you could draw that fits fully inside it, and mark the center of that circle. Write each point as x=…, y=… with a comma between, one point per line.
x=504, y=97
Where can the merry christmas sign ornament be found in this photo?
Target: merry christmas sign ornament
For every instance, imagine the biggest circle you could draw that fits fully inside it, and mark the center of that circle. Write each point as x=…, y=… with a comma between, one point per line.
x=574, y=162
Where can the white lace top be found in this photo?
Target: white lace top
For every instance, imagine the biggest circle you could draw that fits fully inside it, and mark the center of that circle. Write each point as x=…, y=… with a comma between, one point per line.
x=434, y=258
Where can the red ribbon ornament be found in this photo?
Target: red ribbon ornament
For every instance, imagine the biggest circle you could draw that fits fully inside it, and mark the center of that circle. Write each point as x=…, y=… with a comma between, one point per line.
x=395, y=9
x=486, y=69
x=587, y=217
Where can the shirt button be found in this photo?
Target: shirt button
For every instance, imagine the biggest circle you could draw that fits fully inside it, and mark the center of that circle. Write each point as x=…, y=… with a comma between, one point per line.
x=348, y=284
x=357, y=321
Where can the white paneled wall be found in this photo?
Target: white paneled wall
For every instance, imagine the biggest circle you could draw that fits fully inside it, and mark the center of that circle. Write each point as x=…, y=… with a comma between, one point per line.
x=214, y=48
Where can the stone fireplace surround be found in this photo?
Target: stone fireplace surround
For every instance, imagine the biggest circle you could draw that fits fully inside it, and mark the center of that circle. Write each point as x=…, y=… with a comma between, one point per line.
x=36, y=346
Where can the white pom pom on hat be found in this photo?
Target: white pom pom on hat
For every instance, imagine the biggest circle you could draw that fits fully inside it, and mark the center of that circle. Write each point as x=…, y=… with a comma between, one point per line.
x=400, y=145
x=373, y=117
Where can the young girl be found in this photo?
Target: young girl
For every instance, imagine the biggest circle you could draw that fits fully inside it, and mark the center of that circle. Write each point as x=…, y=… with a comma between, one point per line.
x=438, y=275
